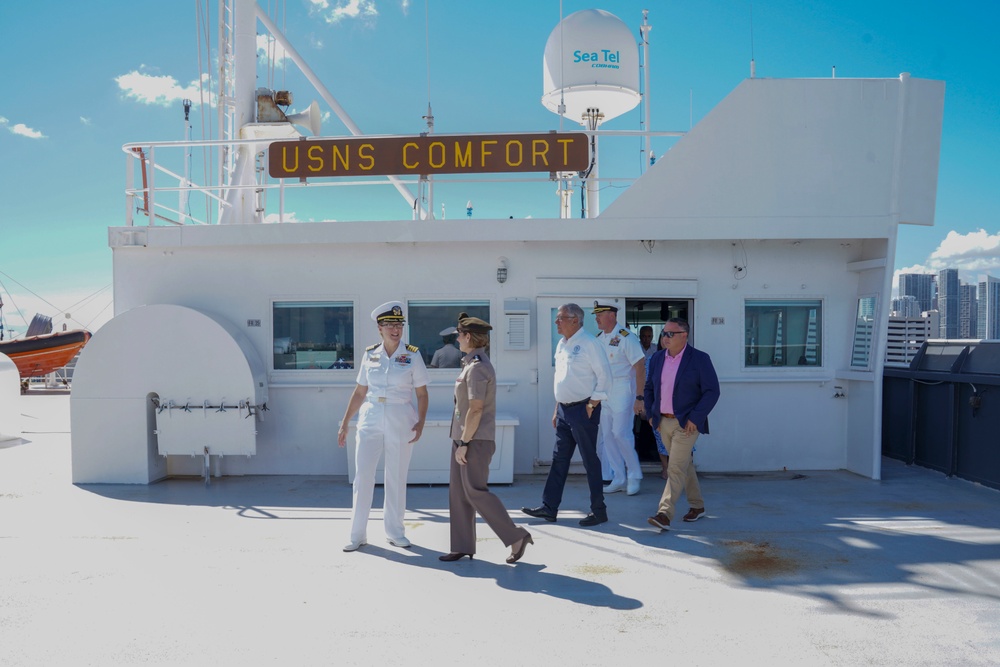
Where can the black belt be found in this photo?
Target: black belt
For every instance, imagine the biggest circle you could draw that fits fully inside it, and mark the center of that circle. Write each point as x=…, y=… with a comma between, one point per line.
x=574, y=404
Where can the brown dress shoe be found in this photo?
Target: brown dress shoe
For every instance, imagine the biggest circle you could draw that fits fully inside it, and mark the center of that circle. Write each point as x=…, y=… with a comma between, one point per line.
x=661, y=521
x=694, y=514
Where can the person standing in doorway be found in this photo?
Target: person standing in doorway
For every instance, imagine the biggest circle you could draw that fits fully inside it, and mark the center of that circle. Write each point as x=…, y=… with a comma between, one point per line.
x=681, y=389
x=391, y=372
x=582, y=381
x=628, y=372
x=646, y=340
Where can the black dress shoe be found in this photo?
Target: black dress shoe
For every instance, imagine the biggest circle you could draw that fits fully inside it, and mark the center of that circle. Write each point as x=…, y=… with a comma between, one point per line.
x=593, y=519
x=540, y=512
x=454, y=556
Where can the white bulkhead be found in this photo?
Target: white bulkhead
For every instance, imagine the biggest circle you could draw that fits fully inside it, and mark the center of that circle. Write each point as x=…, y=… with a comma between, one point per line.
x=771, y=226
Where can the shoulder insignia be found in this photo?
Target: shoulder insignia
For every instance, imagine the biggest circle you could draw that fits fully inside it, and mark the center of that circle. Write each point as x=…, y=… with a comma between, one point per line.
x=412, y=348
x=372, y=347
x=625, y=332
x=476, y=357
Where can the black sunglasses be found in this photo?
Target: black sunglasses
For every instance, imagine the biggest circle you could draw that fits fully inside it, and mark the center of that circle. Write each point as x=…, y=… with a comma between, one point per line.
x=671, y=334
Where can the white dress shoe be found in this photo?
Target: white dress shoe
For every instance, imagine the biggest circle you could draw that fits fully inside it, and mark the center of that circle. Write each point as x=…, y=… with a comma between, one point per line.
x=401, y=542
x=615, y=486
x=633, y=486
x=354, y=546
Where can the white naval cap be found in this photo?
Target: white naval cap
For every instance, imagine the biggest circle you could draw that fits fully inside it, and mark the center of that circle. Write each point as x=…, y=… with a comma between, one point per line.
x=390, y=311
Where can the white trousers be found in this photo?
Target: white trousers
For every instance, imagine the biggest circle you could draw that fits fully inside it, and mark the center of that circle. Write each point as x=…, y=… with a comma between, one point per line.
x=617, y=448
x=382, y=428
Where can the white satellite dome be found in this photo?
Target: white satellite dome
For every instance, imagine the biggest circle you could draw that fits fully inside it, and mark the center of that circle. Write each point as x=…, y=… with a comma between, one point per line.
x=591, y=61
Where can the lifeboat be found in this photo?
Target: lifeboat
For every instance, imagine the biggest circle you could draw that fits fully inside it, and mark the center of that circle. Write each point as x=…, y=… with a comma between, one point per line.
x=41, y=355
x=41, y=352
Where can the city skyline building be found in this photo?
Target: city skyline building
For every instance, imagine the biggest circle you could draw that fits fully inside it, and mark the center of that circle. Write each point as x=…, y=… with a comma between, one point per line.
x=947, y=302
x=906, y=306
x=988, y=326
x=919, y=285
x=968, y=311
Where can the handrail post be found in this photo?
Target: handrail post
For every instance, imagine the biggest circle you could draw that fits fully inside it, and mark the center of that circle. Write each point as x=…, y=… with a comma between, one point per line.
x=150, y=178
x=129, y=185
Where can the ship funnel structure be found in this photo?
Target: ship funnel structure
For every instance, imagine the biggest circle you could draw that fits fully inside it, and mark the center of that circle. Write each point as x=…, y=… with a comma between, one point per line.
x=591, y=66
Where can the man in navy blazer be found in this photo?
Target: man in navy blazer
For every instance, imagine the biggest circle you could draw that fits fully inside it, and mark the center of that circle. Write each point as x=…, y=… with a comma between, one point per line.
x=681, y=389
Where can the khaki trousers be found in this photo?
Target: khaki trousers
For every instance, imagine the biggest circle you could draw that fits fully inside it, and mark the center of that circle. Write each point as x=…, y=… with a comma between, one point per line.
x=468, y=493
x=681, y=475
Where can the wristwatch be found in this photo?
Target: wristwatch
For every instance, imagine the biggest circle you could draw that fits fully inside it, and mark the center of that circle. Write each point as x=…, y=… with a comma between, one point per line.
x=638, y=398
x=463, y=443
x=591, y=406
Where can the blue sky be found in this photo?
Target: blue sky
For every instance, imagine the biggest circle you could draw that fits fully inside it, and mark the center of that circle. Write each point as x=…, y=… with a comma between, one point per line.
x=113, y=72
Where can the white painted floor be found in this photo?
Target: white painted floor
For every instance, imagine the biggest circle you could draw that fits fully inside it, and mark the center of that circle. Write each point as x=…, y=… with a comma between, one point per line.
x=803, y=568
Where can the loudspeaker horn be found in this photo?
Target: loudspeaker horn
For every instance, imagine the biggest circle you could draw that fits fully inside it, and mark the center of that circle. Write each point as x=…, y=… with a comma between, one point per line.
x=309, y=119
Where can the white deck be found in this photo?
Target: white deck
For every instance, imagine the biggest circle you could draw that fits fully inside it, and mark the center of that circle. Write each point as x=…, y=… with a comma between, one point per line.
x=827, y=569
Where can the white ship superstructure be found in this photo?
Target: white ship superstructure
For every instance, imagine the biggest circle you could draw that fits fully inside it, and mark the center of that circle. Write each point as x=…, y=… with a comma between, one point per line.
x=771, y=226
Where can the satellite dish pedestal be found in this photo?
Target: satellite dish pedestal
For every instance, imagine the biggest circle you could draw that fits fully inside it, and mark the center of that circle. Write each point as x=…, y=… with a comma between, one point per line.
x=593, y=117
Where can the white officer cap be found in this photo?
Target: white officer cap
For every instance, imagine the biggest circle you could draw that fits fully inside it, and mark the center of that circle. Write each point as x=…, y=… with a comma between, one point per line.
x=390, y=311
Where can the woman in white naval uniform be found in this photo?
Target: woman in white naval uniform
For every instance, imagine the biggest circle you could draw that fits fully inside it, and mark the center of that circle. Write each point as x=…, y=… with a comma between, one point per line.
x=389, y=373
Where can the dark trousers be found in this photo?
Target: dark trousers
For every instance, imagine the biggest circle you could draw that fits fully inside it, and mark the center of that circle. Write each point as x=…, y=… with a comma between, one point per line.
x=574, y=429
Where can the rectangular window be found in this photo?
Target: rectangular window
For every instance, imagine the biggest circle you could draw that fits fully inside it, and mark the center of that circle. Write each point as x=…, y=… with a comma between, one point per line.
x=783, y=333
x=864, y=329
x=429, y=323
x=313, y=335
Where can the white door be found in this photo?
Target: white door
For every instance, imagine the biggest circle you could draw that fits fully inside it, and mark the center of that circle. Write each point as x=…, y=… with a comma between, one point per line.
x=547, y=339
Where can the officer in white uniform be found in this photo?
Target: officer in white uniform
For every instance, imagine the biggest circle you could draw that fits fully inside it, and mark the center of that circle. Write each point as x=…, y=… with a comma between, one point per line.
x=628, y=370
x=389, y=373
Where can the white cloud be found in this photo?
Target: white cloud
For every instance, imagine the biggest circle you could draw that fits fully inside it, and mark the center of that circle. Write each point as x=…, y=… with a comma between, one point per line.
x=975, y=252
x=85, y=121
x=270, y=48
x=160, y=90
x=272, y=218
x=21, y=129
x=974, y=255
x=340, y=10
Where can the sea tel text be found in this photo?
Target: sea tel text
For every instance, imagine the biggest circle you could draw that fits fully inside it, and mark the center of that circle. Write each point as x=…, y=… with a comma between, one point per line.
x=427, y=155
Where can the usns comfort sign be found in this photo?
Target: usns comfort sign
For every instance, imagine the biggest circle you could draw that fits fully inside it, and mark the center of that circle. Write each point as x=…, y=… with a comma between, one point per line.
x=427, y=155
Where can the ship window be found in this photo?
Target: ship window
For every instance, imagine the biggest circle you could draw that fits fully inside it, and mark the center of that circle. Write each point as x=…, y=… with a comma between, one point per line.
x=783, y=333
x=428, y=319
x=864, y=329
x=313, y=335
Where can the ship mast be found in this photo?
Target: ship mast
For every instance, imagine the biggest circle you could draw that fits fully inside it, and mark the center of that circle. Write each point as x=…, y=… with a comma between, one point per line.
x=237, y=109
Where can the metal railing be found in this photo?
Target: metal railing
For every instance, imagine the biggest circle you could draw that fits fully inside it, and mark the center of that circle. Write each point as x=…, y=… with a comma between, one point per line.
x=148, y=164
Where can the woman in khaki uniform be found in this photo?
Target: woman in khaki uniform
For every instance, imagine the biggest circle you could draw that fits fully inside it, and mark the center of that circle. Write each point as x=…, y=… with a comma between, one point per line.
x=473, y=433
